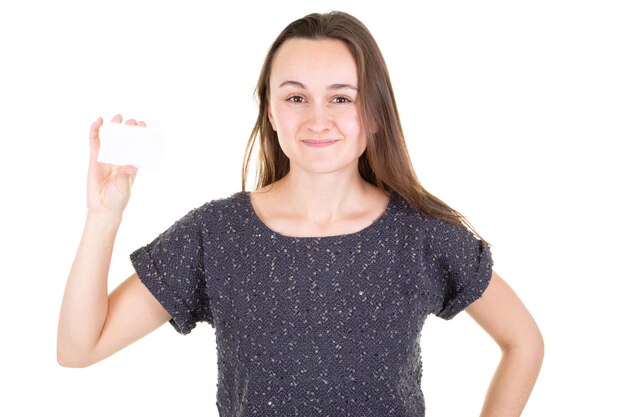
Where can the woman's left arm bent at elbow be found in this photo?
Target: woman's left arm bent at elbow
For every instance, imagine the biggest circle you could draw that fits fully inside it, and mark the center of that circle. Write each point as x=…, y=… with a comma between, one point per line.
x=505, y=318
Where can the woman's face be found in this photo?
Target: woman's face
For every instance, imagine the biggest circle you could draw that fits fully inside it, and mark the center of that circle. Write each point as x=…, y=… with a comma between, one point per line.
x=313, y=105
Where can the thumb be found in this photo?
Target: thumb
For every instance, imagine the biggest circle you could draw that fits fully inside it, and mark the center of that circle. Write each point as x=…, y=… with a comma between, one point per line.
x=94, y=139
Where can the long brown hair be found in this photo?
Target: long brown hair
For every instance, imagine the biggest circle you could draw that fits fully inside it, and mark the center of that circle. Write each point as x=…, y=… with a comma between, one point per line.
x=385, y=162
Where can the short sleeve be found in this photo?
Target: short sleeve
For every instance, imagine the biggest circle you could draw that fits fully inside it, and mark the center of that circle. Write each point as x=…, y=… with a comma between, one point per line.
x=171, y=267
x=463, y=266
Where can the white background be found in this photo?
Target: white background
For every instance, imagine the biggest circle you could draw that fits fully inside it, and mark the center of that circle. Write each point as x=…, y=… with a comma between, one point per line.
x=514, y=113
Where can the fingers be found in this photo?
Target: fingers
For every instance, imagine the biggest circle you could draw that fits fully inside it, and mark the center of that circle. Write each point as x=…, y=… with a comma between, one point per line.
x=127, y=169
x=133, y=122
x=130, y=122
x=130, y=172
x=118, y=119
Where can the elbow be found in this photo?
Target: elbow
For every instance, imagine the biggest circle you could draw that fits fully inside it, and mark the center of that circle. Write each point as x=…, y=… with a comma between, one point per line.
x=539, y=349
x=72, y=359
x=71, y=364
x=529, y=345
x=540, y=346
x=536, y=345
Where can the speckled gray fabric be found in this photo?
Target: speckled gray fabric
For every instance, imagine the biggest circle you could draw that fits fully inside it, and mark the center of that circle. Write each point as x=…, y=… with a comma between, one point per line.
x=314, y=326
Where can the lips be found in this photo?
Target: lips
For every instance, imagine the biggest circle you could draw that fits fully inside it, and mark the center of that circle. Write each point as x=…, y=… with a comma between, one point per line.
x=319, y=143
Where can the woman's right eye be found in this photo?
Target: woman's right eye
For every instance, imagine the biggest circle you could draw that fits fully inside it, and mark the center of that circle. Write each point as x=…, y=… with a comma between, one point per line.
x=296, y=99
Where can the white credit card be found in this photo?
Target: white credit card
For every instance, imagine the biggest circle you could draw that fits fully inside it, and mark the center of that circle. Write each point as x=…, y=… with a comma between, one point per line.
x=121, y=144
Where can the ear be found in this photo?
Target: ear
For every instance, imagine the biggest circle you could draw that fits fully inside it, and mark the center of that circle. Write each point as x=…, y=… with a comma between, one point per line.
x=374, y=128
x=271, y=118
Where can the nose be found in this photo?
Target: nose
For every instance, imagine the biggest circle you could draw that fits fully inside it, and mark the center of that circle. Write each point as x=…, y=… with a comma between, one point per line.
x=319, y=120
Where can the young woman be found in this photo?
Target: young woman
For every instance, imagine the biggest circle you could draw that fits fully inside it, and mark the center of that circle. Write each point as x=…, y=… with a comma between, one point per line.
x=318, y=282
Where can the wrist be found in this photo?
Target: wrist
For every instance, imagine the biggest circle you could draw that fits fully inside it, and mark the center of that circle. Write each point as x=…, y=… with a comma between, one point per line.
x=101, y=227
x=109, y=217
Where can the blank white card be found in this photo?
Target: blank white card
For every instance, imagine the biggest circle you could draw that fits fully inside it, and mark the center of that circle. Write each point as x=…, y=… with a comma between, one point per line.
x=121, y=144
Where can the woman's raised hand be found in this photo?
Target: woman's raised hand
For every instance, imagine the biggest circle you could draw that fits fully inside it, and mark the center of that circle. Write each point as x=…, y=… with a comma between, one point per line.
x=108, y=186
x=92, y=324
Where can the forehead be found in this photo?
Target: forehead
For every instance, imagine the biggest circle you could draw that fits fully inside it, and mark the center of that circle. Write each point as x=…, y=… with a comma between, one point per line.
x=312, y=62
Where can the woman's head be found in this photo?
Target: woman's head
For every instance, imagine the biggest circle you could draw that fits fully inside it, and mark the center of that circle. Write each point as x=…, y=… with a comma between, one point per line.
x=376, y=101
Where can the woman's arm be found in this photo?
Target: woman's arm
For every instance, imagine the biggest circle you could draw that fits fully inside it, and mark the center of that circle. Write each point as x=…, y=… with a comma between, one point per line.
x=503, y=316
x=92, y=324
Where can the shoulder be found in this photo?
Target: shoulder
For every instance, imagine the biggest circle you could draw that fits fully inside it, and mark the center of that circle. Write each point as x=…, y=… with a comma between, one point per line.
x=221, y=206
x=410, y=218
x=434, y=232
x=455, y=250
x=213, y=212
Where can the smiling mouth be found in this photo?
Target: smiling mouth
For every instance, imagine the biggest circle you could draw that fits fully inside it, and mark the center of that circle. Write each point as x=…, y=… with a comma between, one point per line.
x=319, y=141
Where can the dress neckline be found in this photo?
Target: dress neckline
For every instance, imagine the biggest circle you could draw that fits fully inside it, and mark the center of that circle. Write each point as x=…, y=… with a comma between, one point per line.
x=369, y=229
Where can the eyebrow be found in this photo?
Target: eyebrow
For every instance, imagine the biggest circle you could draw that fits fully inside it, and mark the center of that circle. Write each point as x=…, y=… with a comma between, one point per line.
x=337, y=86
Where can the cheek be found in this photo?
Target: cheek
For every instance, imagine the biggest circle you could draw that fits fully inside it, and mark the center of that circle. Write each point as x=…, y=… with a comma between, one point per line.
x=285, y=121
x=286, y=127
x=353, y=126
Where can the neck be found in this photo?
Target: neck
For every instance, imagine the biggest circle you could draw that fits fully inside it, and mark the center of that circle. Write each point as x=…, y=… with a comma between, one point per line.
x=323, y=198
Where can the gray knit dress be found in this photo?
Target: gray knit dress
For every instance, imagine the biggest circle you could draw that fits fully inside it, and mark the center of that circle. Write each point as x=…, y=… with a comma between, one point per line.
x=314, y=326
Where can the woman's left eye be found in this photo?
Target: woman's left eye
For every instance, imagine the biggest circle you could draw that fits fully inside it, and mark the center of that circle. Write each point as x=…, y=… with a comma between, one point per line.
x=341, y=99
